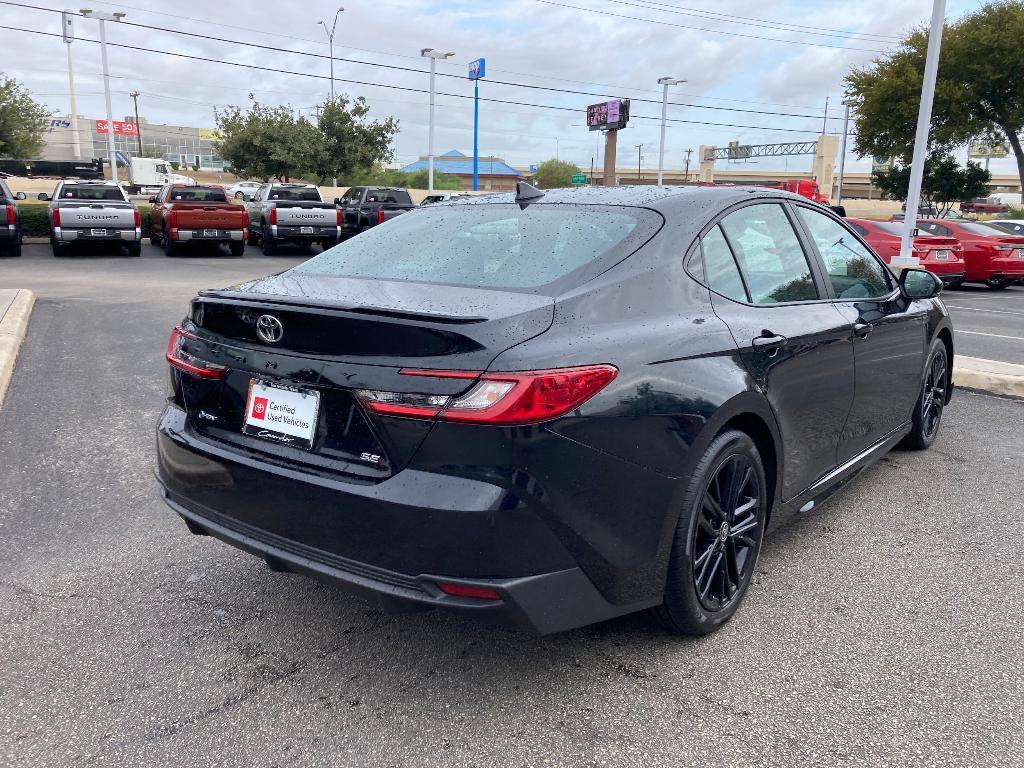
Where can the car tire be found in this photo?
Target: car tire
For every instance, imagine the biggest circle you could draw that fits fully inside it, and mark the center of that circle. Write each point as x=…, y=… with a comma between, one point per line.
x=997, y=283
x=953, y=285
x=237, y=248
x=134, y=249
x=172, y=247
x=59, y=249
x=717, y=538
x=931, y=401
x=11, y=251
x=268, y=243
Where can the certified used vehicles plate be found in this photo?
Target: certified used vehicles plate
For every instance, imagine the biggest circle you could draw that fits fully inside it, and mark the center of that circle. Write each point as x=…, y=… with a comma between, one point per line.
x=210, y=233
x=305, y=230
x=98, y=232
x=282, y=414
x=943, y=255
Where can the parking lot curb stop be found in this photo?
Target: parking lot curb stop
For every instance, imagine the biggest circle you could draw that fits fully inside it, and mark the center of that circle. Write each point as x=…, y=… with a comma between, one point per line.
x=990, y=376
x=14, y=319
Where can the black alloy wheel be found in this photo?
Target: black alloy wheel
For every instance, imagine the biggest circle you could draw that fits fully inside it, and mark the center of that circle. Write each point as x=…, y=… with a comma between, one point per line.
x=931, y=401
x=997, y=283
x=718, y=537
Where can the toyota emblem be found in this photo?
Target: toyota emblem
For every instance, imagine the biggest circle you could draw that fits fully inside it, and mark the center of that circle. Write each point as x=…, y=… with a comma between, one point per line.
x=269, y=329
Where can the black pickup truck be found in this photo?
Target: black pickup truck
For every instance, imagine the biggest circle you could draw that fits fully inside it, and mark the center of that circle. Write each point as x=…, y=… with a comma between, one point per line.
x=365, y=207
x=10, y=221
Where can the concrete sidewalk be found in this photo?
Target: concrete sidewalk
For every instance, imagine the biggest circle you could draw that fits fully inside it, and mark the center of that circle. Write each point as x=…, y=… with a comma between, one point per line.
x=15, y=310
x=991, y=376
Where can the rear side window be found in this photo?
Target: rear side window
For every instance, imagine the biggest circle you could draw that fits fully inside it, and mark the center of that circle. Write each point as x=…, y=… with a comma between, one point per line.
x=489, y=245
x=853, y=271
x=769, y=255
x=720, y=268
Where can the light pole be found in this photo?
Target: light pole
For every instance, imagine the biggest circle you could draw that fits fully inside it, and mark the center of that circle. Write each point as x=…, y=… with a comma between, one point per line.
x=477, y=70
x=330, y=48
x=102, y=18
x=138, y=130
x=430, y=53
x=842, y=156
x=639, y=149
x=664, y=82
x=69, y=37
x=924, y=119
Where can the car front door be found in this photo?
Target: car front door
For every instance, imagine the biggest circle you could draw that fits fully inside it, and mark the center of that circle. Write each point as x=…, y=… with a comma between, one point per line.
x=793, y=341
x=889, y=333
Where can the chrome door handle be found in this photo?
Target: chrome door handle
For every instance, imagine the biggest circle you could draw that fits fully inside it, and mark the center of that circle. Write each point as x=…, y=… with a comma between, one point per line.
x=767, y=342
x=861, y=330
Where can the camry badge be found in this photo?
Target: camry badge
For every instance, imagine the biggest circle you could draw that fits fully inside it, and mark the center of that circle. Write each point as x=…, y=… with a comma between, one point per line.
x=269, y=329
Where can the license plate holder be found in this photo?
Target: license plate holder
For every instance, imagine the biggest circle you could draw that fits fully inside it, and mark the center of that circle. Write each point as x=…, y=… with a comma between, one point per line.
x=98, y=232
x=305, y=230
x=281, y=414
x=943, y=255
x=211, y=233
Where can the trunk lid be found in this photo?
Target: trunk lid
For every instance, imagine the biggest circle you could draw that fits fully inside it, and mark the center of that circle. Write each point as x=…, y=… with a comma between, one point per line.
x=341, y=335
x=305, y=213
x=210, y=216
x=75, y=214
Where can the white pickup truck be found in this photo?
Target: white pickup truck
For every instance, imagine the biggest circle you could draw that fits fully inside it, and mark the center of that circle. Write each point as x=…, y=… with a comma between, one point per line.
x=93, y=211
x=291, y=213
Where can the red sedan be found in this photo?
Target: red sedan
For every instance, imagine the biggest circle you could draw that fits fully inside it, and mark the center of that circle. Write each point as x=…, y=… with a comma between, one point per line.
x=941, y=255
x=991, y=257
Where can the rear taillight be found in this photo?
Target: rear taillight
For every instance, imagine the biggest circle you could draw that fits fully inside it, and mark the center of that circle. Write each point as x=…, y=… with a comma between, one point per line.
x=468, y=590
x=56, y=217
x=138, y=219
x=500, y=399
x=273, y=215
x=183, y=360
x=380, y=215
x=172, y=220
x=339, y=215
x=10, y=213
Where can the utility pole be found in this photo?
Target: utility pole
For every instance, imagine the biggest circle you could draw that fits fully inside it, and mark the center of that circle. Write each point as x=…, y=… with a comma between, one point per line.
x=924, y=119
x=824, y=119
x=103, y=18
x=664, y=82
x=430, y=53
x=69, y=37
x=842, y=154
x=477, y=70
x=330, y=48
x=138, y=130
x=639, y=147
x=686, y=173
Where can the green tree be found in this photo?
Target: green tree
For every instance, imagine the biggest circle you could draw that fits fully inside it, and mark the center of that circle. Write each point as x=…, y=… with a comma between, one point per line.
x=555, y=173
x=979, y=94
x=945, y=181
x=350, y=140
x=22, y=121
x=443, y=181
x=268, y=142
x=153, y=152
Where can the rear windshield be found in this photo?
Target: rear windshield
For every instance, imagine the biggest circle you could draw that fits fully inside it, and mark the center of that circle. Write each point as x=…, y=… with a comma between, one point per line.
x=199, y=195
x=91, y=193
x=490, y=246
x=1006, y=226
x=388, y=196
x=977, y=229
x=294, y=193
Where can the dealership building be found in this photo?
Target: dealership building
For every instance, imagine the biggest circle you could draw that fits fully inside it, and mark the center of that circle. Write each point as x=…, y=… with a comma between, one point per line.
x=186, y=146
x=495, y=175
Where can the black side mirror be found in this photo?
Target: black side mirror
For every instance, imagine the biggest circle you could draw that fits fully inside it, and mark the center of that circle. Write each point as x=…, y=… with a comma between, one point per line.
x=42, y=196
x=337, y=201
x=919, y=284
x=246, y=198
x=20, y=196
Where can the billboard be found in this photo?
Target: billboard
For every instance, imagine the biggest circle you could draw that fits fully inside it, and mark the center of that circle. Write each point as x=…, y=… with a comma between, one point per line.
x=124, y=129
x=211, y=134
x=477, y=69
x=987, y=149
x=608, y=115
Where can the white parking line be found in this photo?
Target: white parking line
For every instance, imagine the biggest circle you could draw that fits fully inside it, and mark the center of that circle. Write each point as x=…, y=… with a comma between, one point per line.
x=993, y=335
x=993, y=311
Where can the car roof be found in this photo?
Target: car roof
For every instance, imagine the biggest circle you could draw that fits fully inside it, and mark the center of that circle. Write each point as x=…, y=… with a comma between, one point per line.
x=90, y=182
x=291, y=184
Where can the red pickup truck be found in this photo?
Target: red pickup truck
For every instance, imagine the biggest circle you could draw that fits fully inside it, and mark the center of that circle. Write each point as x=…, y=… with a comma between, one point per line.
x=184, y=214
x=984, y=205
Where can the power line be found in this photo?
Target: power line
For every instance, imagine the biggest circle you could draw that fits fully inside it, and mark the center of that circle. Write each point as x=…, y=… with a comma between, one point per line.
x=364, y=83
x=783, y=26
x=704, y=29
x=530, y=86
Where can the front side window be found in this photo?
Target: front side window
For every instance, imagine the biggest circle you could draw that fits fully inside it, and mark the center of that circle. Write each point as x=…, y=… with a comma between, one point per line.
x=769, y=254
x=852, y=269
x=720, y=267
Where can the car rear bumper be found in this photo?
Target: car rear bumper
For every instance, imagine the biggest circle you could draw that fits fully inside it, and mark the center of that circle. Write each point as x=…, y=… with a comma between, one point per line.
x=295, y=233
x=948, y=277
x=218, y=235
x=397, y=538
x=65, y=235
x=8, y=233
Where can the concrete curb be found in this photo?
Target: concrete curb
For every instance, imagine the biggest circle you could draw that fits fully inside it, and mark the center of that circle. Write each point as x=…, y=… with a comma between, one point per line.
x=13, y=327
x=990, y=376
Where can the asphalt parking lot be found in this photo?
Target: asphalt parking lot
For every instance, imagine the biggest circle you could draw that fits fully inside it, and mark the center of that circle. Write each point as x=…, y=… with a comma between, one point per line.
x=883, y=629
x=989, y=324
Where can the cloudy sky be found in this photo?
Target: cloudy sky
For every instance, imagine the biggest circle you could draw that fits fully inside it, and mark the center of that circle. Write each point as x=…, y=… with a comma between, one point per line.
x=757, y=71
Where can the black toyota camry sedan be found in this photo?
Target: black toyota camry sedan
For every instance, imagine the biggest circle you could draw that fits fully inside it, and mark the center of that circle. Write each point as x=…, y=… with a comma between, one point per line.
x=549, y=409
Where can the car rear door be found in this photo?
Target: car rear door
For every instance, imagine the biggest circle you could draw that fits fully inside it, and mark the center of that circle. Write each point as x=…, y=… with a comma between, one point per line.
x=889, y=333
x=793, y=341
